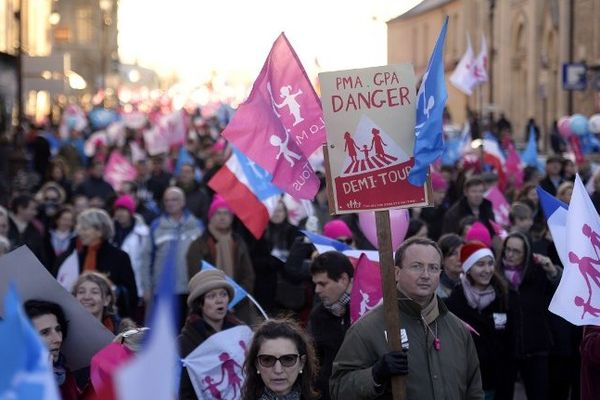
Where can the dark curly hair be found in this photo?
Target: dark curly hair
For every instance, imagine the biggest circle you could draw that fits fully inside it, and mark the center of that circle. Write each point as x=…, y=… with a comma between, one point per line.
x=37, y=308
x=275, y=329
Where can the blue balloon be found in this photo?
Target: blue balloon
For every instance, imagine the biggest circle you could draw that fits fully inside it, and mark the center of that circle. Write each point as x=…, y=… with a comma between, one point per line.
x=578, y=124
x=100, y=118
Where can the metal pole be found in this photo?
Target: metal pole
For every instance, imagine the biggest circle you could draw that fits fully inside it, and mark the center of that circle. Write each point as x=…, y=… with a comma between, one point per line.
x=491, y=54
x=571, y=50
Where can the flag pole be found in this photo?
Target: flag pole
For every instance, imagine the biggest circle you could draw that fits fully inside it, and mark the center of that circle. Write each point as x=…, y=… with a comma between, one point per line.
x=390, y=298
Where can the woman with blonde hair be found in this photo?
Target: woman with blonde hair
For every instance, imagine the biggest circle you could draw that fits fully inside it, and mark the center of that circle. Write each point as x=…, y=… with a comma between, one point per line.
x=95, y=293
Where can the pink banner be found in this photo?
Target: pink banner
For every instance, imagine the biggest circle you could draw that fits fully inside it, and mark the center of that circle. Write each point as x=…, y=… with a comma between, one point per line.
x=500, y=205
x=513, y=166
x=281, y=123
x=118, y=170
x=366, y=288
x=155, y=141
x=174, y=127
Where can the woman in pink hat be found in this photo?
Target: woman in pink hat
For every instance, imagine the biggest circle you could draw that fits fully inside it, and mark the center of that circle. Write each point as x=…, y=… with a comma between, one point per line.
x=482, y=301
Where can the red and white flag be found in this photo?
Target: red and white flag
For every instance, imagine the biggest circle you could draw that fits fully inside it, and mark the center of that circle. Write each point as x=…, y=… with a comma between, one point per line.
x=366, y=288
x=248, y=190
x=281, y=123
x=463, y=77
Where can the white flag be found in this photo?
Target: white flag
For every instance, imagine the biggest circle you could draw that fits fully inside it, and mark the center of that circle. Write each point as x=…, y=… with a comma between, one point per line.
x=69, y=272
x=216, y=366
x=481, y=63
x=463, y=77
x=577, y=298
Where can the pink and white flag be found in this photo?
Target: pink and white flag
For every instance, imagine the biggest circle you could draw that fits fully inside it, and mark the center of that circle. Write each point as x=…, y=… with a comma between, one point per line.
x=174, y=127
x=155, y=141
x=281, y=123
x=366, y=288
x=577, y=298
x=499, y=204
x=68, y=272
x=463, y=77
x=118, y=170
x=481, y=63
x=216, y=366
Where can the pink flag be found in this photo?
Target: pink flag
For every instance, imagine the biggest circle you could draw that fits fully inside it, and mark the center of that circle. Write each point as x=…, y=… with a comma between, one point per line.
x=118, y=170
x=513, y=166
x=155, y=141
x=281, y=123
x=366, y=288
x=499, y=204
x=173, y=126
x=480, y=66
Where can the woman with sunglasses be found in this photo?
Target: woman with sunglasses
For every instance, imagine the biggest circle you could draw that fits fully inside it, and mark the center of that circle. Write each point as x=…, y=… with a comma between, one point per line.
x=208, y=314
x=534, y=278
x=280, y=364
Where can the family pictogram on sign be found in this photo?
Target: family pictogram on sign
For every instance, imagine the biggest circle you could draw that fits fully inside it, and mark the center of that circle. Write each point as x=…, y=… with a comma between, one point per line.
x=589, y=271
x=374, y=155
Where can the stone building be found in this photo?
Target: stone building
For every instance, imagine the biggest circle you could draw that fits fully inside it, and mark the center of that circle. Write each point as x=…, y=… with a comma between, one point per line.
x=529, y=40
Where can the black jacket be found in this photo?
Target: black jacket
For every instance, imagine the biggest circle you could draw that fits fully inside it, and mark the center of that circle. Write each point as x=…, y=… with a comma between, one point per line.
x=493, y=343
x=30, y=237
x=114, y=263
x=461, y=209
x=328, y=332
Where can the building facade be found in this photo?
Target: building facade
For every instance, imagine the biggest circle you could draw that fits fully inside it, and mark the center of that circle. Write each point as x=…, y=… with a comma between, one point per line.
x=528, y=41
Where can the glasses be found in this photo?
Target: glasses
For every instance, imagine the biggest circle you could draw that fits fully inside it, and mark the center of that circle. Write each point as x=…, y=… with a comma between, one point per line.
x=433, y=269
x=132, y=332
x=286, y=360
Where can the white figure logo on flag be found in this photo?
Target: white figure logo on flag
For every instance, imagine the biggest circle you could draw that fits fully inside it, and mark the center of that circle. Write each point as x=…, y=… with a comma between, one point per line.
x=283, y=148
x=428, y=103
x=289, y=101
x=588, y=271
x=364, y=303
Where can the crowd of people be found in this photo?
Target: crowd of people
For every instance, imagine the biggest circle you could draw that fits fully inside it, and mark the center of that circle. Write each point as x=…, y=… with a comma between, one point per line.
x=473, y=295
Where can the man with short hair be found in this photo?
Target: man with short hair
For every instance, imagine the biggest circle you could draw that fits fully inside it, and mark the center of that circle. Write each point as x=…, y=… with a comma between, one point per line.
x=439, y=358
x=332, y=274
x=520, y=217
x=553, y=177
x=472, y=203
x=171, y=235
x=22, y=228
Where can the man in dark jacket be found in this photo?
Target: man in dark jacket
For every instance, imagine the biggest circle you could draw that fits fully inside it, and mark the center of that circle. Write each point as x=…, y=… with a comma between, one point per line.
x=95, y=187
x=472, y=203
x=22, y=229
x=332, y=275
x=553, y=177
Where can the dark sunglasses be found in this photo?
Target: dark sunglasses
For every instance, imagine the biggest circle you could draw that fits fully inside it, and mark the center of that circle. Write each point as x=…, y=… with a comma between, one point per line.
x=346, y=240
x=286, y=360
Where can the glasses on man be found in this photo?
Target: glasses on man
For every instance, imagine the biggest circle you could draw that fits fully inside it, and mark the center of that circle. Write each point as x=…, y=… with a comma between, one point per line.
x=433, y=269
x=286, y=360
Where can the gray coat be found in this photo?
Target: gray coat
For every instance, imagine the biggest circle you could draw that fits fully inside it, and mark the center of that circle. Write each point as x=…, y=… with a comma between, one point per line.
x=452, y=373
x=170, y=237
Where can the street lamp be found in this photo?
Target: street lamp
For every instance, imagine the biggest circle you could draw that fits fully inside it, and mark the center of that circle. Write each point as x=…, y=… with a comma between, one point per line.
x=106, y=10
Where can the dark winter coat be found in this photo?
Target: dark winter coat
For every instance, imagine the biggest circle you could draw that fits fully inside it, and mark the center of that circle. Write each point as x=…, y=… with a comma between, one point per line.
x=462, y=209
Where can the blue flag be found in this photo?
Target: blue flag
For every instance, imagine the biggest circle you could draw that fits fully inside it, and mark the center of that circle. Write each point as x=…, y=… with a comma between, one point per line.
x=431, y=99
x=240, y=293
x=26, y=371
x=323, y=243
x=530, y=154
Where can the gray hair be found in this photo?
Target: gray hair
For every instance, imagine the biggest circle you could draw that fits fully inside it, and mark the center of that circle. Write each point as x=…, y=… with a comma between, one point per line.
x=98, y=219
x=4, y=245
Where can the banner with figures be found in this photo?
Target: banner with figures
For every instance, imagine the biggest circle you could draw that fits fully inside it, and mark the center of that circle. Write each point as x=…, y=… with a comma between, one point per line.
x=215, y=367
x=370, y=119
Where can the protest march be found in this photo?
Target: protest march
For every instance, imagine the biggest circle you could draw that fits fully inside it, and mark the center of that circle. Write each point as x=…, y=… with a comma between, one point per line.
x=339, y=243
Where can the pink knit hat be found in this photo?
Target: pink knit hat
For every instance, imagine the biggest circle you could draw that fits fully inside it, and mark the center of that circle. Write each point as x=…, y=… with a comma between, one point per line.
x=438, y=182
x=127, y=202
x=218, y=202
x=336, y=228
x=479, y=232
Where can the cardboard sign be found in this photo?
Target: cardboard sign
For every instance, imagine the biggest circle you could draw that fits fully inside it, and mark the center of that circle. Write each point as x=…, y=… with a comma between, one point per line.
x=86, y=335
x=370, y=119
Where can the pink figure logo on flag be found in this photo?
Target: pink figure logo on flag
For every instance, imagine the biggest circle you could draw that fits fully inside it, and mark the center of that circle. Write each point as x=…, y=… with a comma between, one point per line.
x=588, y=271
x=231, y=374
x=372, y=143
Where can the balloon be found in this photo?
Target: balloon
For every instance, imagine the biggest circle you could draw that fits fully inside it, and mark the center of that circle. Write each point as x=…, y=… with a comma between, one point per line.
x=564, y=127
x=579, y=124
x=594, y=123
x=398, y=225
